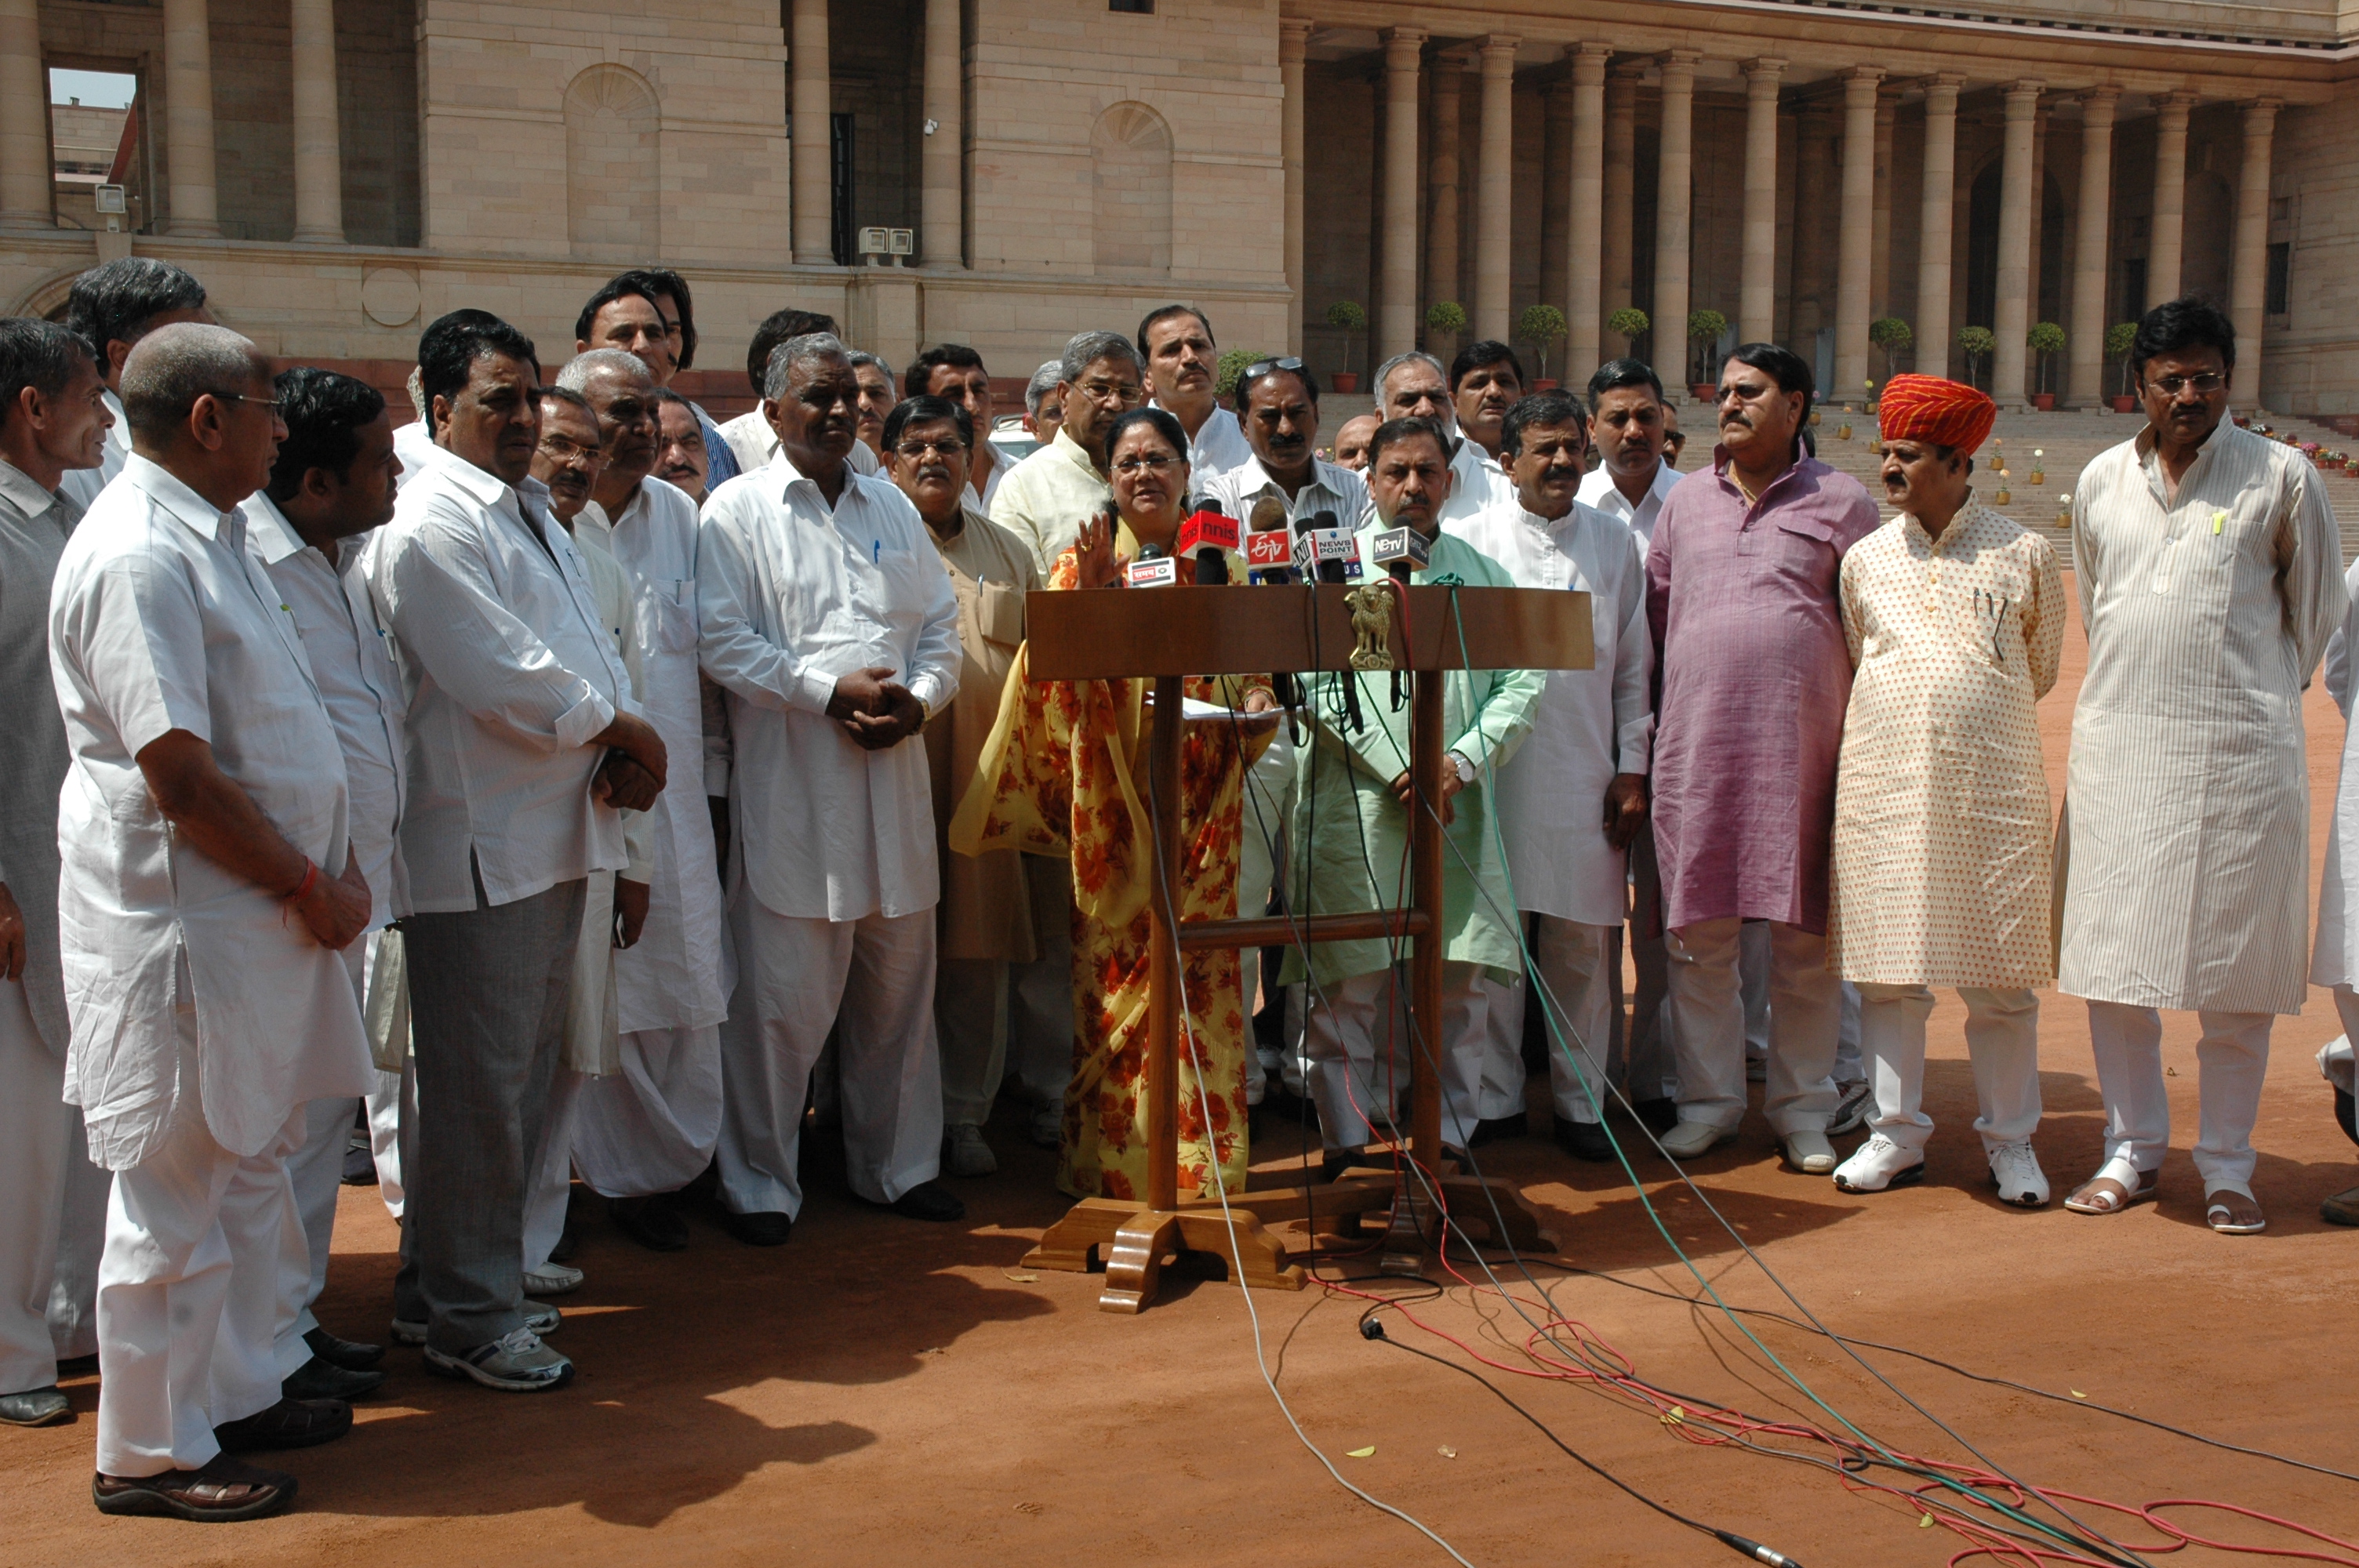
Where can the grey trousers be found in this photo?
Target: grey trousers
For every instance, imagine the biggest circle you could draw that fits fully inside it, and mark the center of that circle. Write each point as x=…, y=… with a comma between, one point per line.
x=487, y=993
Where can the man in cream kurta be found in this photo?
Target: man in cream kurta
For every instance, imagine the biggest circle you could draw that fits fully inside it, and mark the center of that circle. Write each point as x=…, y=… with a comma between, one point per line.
x=1348, y=850
x=207, y=885
x=1575, y=794
x=825, y=614
x=1046, y=498
x=2208, y=565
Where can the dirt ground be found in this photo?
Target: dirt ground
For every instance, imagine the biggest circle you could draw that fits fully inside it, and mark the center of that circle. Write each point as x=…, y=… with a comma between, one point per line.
x=881, y=1391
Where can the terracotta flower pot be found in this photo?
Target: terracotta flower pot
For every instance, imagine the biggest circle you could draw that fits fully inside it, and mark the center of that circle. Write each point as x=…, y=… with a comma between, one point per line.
x=1544, y=383
x=2044, y=401
x=1345, y=380
x=1704, y=392
x=2125, y=403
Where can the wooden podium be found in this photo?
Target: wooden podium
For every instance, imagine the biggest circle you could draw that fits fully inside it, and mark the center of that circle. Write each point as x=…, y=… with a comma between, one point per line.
x=1168, y=634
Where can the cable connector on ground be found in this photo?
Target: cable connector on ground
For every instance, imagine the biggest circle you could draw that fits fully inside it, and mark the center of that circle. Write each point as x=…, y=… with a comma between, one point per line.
x=1755, y=1549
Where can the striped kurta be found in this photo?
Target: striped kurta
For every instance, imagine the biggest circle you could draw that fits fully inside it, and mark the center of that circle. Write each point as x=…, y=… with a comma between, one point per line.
x=2185, y=854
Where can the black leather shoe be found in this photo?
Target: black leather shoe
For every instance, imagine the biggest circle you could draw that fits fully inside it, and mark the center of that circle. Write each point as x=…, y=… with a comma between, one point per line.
x=1659, y=1116
x=360, y=1166
x=653, y=1222
x=764, y=1228
x=78, y=1366
x=320, y=1378
x=350, y=1354
x=1491, y=1129
x=930, y=1200
x=1584, y=1141
x=289, y=1423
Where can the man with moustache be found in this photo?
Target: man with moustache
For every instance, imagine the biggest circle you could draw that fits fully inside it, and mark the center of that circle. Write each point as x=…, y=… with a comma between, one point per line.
x=1183, y=364
x=1051, y=493
x=111, y=307
x=826, y=616
x=1414, y=385
x=646, y=312
x=956, y=371
x=1754, y=674
x=683, y=461
x=1352, y=441
x=1486, y=380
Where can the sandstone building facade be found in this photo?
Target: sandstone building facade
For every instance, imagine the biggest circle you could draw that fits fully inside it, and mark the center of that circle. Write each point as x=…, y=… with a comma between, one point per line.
x=341, y=171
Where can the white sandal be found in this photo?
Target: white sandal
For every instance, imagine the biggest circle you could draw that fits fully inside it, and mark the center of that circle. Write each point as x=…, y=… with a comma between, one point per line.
x=2222, y=1218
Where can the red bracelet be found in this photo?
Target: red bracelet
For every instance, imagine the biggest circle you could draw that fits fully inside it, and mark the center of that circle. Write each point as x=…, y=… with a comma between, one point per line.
x=310, y=875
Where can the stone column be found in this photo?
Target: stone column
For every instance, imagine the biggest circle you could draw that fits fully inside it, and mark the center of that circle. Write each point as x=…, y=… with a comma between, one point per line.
x=1856, y=253
x=1556, y=187
x=1619, y=188
x=1814, y=155
x=24, y=119
x=1674, y=204
x=2011, y=317
x=1442, y=180
x=1397, y=325
x=319, y=147
x=1756, y=309
x=189, y=118
x=1293, y=38
x=941, y=171
x=1495, y=211
x=2162, y=257
x=2085, y=376
x=2249, y=274
x=1934, y=218
x=1585, y=215
x=1879, y=261
x=814, y=185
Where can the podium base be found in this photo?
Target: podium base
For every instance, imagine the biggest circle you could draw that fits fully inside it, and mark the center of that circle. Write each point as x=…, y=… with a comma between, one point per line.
x=1136, y=1243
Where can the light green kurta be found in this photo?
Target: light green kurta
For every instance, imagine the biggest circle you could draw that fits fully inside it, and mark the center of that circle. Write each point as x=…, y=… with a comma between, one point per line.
x=1349, y=847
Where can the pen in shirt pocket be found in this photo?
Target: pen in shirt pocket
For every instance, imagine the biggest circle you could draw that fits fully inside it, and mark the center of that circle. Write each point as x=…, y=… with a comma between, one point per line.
x=876, y=554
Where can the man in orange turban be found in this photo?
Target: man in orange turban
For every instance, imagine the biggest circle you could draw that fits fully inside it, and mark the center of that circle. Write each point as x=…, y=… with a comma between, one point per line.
x=1954, y=617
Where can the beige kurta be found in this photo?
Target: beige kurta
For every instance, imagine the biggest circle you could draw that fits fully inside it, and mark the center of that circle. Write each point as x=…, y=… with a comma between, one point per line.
x=2186, y=849
x=985, y=911
x=1941, y=849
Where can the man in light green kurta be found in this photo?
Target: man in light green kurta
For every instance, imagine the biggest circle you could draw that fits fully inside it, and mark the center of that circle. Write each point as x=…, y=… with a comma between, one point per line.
x=1351, y=836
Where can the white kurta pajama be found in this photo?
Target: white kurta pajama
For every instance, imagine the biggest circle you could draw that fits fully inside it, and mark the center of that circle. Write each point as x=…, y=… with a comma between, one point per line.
x=2335, y=962
x=204, y=1017
x=2185, y=845
x=352, y=661
x=1587, y=726
x=833, y=877
x=1941, y=846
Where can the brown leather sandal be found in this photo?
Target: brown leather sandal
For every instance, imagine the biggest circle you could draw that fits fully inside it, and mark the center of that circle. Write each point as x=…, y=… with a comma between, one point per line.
x=224, y=1492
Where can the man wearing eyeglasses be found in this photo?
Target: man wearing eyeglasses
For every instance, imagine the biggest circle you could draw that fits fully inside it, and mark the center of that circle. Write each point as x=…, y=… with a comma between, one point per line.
x=1183, y=367
x=2210, y=573
x=1045, y=500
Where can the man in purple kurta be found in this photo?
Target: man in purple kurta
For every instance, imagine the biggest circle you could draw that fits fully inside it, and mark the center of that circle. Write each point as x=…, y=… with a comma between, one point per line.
x=1741, y=594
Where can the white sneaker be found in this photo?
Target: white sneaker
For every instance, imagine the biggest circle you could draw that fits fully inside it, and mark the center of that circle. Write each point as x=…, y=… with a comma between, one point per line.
x=1046, y=1128
x=515, y=1363
x=553, y=1280
x=1809, y=1152
x=2016, y=1171
x=964, y=1154
x=1879, y=1165
x=539, y=1316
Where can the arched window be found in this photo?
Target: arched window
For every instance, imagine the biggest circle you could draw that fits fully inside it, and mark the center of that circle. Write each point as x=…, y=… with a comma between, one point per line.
x=1130, y=150
x=612, y=164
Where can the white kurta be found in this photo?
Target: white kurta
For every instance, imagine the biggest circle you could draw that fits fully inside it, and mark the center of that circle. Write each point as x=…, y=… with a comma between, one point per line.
x=675, y=978
x=792, y=594
x=2335, y=960
x=161, y=619
x=1588, y=725
x=755, y=445
x=2186, y=841
x=1218, y=446
x=1477, y=484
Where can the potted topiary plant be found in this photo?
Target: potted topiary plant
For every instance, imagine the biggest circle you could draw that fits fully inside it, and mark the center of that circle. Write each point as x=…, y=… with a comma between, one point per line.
x=1893, y=336
x=1347, y=315
x=1631, y=323
x=1444, y=320
x=1975, y=343
x=2120, y=338
x=1704, y=327
x=2046, y=340
x=1543, y=327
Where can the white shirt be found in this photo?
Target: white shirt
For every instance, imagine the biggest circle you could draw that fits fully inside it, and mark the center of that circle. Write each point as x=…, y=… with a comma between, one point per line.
x=756, y=445
x=792, y=594
x=1218, y=446
x=673, y=979
x=351, y=664
x=161, y=619
x=508, y=675
x=1331, y=488
x=414, y=444
x=1477, y=483
x=81, y=486
x=1588, y=725
x=1598, y=490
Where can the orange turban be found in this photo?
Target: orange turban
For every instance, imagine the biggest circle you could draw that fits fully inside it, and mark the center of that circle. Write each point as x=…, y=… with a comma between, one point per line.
x=1927, y=408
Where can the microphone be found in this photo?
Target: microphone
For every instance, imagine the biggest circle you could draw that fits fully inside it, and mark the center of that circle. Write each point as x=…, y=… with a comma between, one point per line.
x=1401, y=551
x=1331, y=552
x=1330, y=570
x=1267, y=546
x=1209, y=534
x=1153, y=568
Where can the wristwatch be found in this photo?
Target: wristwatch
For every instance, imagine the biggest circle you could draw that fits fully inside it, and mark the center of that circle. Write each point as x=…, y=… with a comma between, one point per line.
x=1465, y=769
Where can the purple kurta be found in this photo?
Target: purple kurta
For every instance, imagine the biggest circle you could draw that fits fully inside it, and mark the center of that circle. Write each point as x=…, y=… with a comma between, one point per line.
x=1756, y=677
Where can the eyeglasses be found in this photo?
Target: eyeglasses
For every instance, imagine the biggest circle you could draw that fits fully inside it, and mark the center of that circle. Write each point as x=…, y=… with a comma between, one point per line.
x=2207, y=382
x=1260, y=368
x=560, y=451
x=1128, y=394
x=273, y=403
x=1152, y=465
x=917, y=450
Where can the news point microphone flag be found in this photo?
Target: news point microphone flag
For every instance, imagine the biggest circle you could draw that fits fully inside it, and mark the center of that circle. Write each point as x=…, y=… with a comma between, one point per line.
x=1930, y=409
